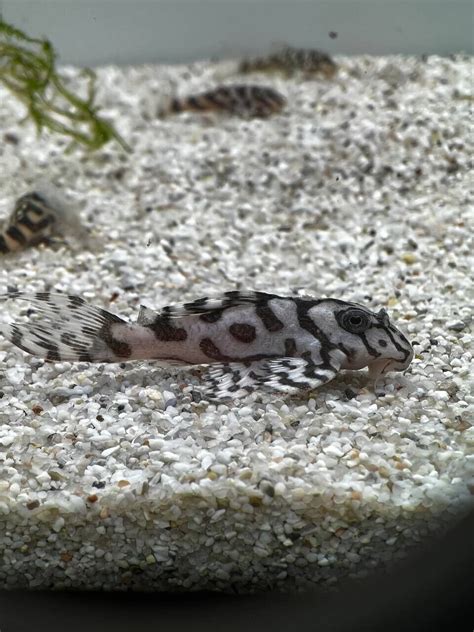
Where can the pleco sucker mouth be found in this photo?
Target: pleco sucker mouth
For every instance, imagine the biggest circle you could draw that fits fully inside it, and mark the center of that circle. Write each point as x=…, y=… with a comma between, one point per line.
x=378, y=367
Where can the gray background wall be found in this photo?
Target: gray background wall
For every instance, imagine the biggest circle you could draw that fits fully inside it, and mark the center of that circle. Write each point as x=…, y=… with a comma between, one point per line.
x=117, y=31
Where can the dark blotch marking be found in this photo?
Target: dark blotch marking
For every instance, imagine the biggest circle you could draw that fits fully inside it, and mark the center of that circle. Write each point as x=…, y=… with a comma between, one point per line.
x=241, y=92
x=243, y=332
x=26, y=205
x=306, y=322
x=36, y=197
x=224, y=93
x=212, y=317
x=197, y=103
x=268, y=318
x=33, y=207
x=208, y=347
x=217, y=99
x=119, y=348
x=176, y=106
x=211, y=351
x=36, y=227
x=3, y=246
x=24, y=220
x=165, y=332
x=290, y=347
x=236, y=376
x=15, y=233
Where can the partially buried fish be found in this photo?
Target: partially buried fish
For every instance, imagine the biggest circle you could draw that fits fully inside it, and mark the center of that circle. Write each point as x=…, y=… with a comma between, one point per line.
x=249, y=339
x=246, y=101
x=36, y=217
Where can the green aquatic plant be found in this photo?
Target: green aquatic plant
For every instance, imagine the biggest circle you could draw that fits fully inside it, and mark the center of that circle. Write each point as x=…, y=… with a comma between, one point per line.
x=28, y=70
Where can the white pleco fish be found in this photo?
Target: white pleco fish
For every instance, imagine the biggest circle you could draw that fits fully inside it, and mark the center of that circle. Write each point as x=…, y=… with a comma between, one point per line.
x=250, y=340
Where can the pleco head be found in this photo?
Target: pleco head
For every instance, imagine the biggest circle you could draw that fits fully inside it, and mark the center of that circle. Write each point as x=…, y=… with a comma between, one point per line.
x=366, y=338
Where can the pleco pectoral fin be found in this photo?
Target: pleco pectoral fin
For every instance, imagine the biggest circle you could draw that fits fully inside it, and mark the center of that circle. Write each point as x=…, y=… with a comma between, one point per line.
x=231, y=380
x=293, y=375
x=288, y=375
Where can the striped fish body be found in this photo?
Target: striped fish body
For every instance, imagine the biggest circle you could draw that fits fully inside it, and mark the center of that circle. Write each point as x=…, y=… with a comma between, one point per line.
x=247, y=101
x=289, y=60
x=30, y=223
x=247, y=339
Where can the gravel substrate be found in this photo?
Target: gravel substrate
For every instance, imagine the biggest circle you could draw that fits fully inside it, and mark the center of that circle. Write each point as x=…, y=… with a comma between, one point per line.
x=117, y=476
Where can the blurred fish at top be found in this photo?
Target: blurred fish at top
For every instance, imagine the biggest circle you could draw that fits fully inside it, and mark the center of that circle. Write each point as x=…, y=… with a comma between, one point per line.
x=289, y=60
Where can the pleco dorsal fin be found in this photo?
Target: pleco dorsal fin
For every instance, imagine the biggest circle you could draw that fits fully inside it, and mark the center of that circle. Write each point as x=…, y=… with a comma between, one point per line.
x=206, y=305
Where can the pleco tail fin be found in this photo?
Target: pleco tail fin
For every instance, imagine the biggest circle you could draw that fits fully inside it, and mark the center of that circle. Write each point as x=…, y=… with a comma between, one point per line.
x=65, y=328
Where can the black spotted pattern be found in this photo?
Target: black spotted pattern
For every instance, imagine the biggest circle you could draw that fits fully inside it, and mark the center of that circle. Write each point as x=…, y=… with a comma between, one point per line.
x=388, y=330
x=15, y=233
x=243, y=332
x=212, y=351
x=348, y=351
x=289, y=60
x=245, y=100
x=119, y=348
x=290, y=347
x=268, y=317
x=166, y=332
x=370, y=350
x=307, y=323
x=212, y=317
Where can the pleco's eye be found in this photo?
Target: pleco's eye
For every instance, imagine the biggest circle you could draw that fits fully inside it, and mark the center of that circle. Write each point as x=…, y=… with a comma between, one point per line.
x=355, y=320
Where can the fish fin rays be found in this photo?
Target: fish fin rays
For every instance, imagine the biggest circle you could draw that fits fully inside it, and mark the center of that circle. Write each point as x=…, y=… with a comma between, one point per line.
x=204, y=306
x=286, y=375
x=293, y=375
x=69, y=329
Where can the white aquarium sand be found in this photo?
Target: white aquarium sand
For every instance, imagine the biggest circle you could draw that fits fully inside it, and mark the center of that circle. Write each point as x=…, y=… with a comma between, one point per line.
x=116, y=477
